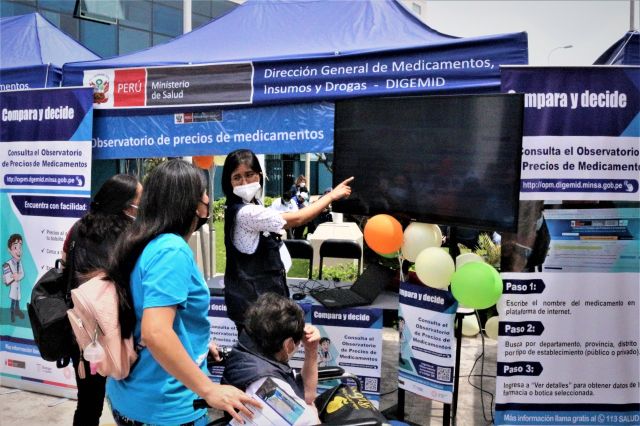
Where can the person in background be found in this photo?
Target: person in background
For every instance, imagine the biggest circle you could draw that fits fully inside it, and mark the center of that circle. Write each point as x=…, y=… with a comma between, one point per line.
x=111, y=212
x=285, y=204
x=274, y=328
x=324, y=216
x=164, y=303
x=300, y=195
x=300, y=183
x=252, y=233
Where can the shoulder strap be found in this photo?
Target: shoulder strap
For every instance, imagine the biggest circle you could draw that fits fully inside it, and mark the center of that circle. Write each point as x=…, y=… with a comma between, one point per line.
x=71, y=264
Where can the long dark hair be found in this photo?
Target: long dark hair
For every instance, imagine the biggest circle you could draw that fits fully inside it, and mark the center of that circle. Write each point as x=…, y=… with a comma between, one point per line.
x=168, y=206
x=231, y=163
x=106, y=217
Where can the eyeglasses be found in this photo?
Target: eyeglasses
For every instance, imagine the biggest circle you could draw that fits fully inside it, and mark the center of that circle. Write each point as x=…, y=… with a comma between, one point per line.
x=247, y=176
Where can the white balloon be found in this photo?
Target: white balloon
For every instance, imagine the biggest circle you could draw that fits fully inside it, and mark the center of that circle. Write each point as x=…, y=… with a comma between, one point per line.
x=491, y=327
x=435, y=267
x=468, y=258
x=470, y=326
x=419, y=236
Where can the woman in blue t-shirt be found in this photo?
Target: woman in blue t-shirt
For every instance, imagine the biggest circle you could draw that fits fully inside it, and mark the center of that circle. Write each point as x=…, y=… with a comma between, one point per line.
x=164, y=304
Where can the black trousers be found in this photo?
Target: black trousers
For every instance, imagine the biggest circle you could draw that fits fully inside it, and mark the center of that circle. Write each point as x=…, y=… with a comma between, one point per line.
x=91, y=391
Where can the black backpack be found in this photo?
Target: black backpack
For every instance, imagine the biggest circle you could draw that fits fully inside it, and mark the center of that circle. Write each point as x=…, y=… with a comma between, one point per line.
x=50, y=300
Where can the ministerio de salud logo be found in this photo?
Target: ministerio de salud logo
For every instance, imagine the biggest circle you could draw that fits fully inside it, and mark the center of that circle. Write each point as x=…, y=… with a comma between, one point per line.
x=101, y=86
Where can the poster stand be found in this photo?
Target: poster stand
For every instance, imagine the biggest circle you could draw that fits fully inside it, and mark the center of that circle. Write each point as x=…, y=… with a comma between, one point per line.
x=396, y=412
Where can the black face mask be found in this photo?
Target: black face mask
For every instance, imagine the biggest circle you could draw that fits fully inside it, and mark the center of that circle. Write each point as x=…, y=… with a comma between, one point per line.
x=202, y=220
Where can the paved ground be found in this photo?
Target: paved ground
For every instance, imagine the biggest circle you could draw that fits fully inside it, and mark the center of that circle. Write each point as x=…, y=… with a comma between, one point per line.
x=32, y=409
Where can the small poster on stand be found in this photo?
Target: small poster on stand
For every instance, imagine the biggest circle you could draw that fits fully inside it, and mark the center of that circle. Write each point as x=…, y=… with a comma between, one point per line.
x=427, y=344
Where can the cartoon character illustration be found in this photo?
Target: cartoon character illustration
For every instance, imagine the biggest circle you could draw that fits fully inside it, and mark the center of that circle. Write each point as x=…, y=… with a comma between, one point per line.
x=12, y=274
x=405, y=339
x=324, y=354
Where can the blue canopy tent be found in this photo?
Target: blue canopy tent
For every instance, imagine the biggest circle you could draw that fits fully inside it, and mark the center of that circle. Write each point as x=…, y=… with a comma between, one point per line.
x=268, y=52
x=286, y=41
x=33, y=50
x=625, y=51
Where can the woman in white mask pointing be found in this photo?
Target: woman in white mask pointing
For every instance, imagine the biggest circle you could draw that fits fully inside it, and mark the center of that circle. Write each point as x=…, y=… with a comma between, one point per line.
x=252, y=233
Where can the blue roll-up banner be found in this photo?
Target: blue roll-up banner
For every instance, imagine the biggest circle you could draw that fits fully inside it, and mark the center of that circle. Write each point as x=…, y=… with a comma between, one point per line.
x=581, y=132
x=45, y=185
x=352, y=339
x=274, y=130
x=427, y=343
x=568, y=336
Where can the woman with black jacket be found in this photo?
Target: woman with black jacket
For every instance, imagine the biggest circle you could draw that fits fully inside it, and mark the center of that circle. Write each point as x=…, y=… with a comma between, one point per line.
x=93, y=237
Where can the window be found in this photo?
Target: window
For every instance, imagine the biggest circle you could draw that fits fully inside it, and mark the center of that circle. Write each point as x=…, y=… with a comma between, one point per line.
x=131, y=40
x=105, y=11
x=69, y=25
x=137, y=14
x=8, y=8
x=65, y=6
x=159, y=39
x=65, y=22
x=167, y=20
x=202, y=7
x=99, y=38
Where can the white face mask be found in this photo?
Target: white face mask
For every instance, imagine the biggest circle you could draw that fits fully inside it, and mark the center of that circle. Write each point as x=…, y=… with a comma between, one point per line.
x=247, y=192
x=290, y=355
x=302, y=185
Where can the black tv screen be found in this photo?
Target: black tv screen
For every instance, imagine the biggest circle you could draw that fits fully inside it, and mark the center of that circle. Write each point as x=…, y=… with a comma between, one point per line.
x=450, y=160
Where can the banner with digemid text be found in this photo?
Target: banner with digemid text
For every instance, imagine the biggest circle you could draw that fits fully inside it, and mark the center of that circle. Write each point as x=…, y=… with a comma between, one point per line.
x=568, y=349
x=427, y=342
x=460, y=66
x=265, y=130
x=45, y=186
x=581, y=132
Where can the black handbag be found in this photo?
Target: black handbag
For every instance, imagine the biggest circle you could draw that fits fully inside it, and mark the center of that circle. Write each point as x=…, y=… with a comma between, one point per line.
x=343, y=405
x=50, y=300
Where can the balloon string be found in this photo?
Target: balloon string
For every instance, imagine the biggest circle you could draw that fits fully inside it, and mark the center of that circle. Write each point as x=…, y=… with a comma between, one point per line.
x=401, y=273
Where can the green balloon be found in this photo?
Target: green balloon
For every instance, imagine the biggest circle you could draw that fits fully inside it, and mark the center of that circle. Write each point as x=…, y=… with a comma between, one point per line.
x=476, y=285
x=498, y=282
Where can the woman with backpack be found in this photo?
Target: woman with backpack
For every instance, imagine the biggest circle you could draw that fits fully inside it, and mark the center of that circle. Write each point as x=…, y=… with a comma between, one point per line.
x=164, y=305
x=93, y=237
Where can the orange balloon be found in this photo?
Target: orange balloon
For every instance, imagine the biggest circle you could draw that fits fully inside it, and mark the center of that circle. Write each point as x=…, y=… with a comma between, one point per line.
x=203, y=161
x=383, y=233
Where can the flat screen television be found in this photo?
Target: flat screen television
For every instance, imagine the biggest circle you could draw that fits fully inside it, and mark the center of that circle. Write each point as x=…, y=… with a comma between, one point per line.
x=450, y=160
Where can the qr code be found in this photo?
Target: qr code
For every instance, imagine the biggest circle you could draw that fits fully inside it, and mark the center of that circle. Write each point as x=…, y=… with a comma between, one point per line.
x=370, y=384
x=443, y=374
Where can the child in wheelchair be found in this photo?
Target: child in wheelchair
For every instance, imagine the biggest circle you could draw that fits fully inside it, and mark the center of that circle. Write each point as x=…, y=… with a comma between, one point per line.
x=259, y=365
x=274, y=327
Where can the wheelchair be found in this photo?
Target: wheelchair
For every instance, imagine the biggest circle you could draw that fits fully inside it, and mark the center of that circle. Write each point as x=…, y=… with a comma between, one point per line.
x=325, y=374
